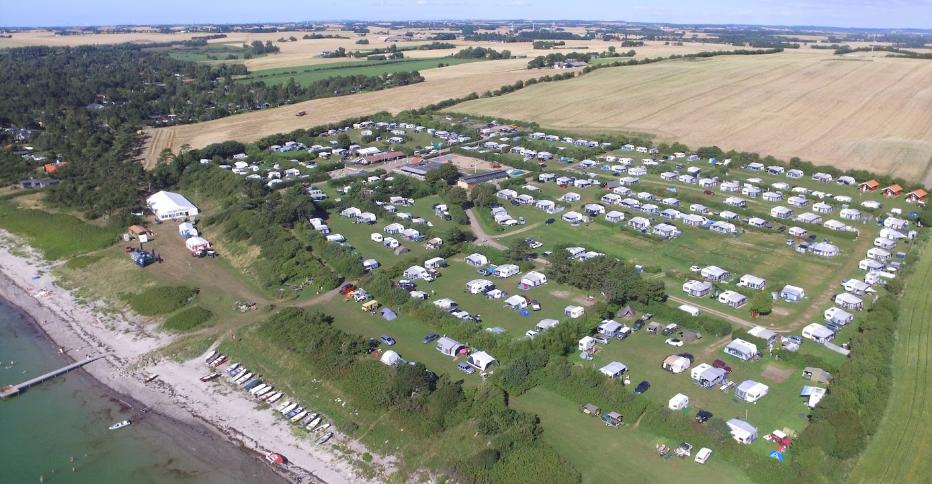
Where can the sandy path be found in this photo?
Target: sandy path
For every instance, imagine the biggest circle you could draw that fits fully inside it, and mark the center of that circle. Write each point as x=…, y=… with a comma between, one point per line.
x=715, y=312
x=482, y=238
x=133, y=350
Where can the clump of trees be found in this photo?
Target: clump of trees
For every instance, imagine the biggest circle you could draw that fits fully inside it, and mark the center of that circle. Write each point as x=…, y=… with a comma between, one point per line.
x=616, y=280
x=482, y=53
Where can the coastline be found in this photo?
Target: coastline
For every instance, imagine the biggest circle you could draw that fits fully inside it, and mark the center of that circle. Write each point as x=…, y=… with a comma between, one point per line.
x=132, y=351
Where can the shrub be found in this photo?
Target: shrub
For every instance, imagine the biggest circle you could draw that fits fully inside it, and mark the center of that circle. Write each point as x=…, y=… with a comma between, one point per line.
x=160, y=300
x=188, y=319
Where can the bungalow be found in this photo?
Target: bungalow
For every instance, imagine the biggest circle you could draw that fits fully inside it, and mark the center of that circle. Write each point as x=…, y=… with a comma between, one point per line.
x=412, y=234
x=797, y=201
x=506, y=194
x=610, y=328
x=390, y=242
x=849, y=301
x=850, y=214
x=631, y=203
x=574, y=312
x=594, y=209
x=723, y=227
x=697, y=288
x=752, y=282
x=582, y=183
x=755, y=166
x=506, y=270
x=479, y=286
x=611, y=199
x=370, y=264
x=533, y=279
x=837, y=226
x=365, y=218
x=781, y=212
x=824, y=249
x=570, y=197
x=516, y=302
x=449, y=346
x=477, y=260
x=650, y=208
x=838, y=316
x=822, y=207
x=892, y=191
x=708, y=183
x=614, y=370
x=797, y=232
x=670, y=202
x=714, y=274
x=546, y=177
x=741, y=349
x=732, y=299
x=675, y=364
x=671, y=214
x=917, y=196
x=668, y=176
x=869, y=186
x=792, y=293
x=751, y=391
x=435, y=263
x=813, y=395
x=573, y=218
x=765, y=334
x=870, y=204
x=639, y=223
x=822, y=177
x=870, y=265
x=698, y=208
x=629, y=180
x=891, y=234
x=524, y=199
x=741, y=431
x=878, y=254
x=757, y=222
x=564, y=181
x=795, y=174
x=666, y=231
x=637, y=171
x=751, y=191
x=548, y=206
x=393, y=228
x=481, y=360
x=687, y=179
x=614, y=216
x=818, y=333
x=772, y=196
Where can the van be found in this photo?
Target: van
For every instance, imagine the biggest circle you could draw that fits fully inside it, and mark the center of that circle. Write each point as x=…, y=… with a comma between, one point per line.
x=703, y=455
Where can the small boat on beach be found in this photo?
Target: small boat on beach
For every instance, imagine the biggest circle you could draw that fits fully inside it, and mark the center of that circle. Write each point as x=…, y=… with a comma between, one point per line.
x=289, y=408
x=258, y=388
x=240, y=372
x=219, y=362
x=274, y=398
x=294, y=411
x=282, y=406
x=274, y=458
x=244, y=378
x=150, y=377
x=232, y=368
x=265, y=391
x=313, y=424
x=322, y=427
x=299, y=416
x=252, y=383
x=209, y=377
x=215, y=358
x=210, y=356
x=120, y=425
x=324, y=438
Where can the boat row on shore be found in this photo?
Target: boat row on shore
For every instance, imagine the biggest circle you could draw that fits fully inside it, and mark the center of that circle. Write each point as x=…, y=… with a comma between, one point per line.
x=297, y=414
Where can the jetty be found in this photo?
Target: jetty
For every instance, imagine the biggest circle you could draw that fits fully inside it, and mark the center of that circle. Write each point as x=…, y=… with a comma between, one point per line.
x=11, y=390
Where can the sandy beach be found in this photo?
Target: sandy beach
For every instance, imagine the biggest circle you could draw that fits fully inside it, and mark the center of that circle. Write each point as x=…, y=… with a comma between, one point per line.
x=85, y=329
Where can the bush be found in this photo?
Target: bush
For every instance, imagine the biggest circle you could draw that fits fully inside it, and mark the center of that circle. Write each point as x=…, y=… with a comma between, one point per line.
x=188, y=319
x=160, y=300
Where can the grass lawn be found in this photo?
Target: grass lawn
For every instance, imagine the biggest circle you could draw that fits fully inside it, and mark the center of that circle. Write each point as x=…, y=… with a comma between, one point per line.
x=306, y=75
x=643, y=353
x=603, y=454
x=57, y=235
x=899, y=451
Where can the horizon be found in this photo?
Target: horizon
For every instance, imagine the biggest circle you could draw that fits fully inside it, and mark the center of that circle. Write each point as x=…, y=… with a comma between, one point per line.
x=838, y=14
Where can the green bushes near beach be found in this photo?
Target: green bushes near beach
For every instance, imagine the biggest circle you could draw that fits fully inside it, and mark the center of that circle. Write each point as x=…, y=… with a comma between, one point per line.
x=161, y=299
x=188, y=319
x=57, y=235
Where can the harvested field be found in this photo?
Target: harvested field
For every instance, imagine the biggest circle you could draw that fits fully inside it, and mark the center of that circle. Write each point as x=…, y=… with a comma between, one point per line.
x=445, y=83
x=857, y=111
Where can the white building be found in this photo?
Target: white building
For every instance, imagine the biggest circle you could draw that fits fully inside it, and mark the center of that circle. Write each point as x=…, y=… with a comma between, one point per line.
x=170, y=206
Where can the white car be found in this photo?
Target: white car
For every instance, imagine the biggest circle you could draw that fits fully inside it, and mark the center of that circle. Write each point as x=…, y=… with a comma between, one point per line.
x=703, y=455
x=695, y=268
x=674, y=342
x=531, y=333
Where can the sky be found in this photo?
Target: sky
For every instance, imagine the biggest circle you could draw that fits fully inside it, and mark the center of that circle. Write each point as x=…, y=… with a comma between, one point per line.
x=837, y=13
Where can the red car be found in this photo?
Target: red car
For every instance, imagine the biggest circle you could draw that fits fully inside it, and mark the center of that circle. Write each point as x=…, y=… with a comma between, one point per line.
x=346, y=289
x=721, y=364
x=709, y=192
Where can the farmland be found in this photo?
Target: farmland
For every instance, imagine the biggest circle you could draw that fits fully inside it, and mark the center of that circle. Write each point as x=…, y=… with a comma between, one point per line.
x=897, y=452
x=440, y=84
x=305, y=75
x=798, y=96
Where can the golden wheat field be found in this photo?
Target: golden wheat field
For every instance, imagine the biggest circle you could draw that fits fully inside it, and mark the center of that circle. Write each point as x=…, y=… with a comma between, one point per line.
x=440, y=84
x=865, y=111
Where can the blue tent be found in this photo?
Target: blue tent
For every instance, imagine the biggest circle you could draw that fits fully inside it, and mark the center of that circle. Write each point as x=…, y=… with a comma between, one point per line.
x=776, y=455
x=524, y=312
x=388, y=314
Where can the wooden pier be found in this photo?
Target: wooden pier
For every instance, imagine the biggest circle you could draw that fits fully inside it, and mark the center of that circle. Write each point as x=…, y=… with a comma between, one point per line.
x=10, y=390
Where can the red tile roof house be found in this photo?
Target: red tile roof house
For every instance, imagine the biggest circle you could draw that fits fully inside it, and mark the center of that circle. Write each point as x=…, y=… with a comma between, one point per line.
x=893, y=191
x=917, y=196
x=869, y=186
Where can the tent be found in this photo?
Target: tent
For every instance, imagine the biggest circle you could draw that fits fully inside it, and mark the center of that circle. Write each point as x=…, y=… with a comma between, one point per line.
x=388, y=314
x=678, y=402
x=776, y=454
x=195, y=244
x=391, y=358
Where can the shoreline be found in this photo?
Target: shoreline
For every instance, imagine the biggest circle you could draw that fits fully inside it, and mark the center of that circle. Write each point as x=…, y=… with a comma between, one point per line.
x=177, y=394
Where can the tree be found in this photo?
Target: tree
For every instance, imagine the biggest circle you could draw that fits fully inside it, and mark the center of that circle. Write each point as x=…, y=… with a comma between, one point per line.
x=484, y=195
x=447, y=172
x=761, y=303
x=517, y=249
x=456, y=196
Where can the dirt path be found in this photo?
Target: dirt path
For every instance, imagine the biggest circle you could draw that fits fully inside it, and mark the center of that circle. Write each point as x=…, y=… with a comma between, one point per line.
x=516, y=232
x=715, y=312
x=482, y=238
x=843, y=273
x=322, y=298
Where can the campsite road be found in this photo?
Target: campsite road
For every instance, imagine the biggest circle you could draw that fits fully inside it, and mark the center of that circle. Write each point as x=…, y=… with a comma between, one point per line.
x=482, y=238
x=714, y=312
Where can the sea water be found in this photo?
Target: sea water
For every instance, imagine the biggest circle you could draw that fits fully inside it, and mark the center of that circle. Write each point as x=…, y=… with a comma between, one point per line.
x=57, y=431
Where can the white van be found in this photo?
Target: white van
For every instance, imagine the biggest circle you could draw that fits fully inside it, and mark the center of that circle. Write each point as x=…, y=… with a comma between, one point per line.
x=690, y=309
x=703, y=455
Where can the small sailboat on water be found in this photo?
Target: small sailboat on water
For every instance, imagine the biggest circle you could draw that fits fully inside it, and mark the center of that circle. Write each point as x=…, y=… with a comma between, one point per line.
x=120, y=425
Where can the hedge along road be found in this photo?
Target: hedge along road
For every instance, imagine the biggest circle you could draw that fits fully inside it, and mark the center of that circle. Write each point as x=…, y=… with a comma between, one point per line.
x=899, y=452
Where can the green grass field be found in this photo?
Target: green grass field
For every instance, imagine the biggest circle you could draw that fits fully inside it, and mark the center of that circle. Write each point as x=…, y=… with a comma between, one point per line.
x=306, y=75
x=624, y=454
x=899, y=452
x=57, y=235
x=220, y=51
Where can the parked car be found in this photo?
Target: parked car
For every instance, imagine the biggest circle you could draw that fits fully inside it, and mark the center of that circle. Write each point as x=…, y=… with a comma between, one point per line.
x=430, y=337
x=533, y=244
x=638, y=325
x=534, y=305
x=549, y=221
x=688, y=356
x=388, y=340
x=674, y=342
x=709, y=192
x=721, y=364
x=601, y=339
x=703, y=415
x=642, y=387
x=465, y=368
